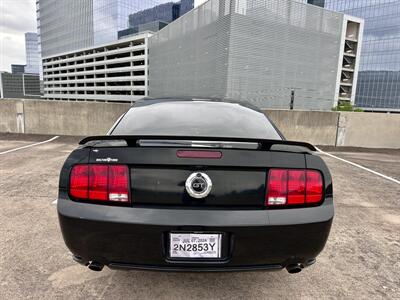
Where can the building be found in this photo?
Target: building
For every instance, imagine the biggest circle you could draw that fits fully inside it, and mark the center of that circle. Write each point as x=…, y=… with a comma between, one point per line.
x=115, y=71
x=379, y=74
x=261, y=51
x=32, y=53
x=166, y=13
x=157, y=17
x=64, y=25
x=74, y=36
x=320, y=3
x=19, y=85
x=70, y=25
x=109, y=17
x=17, y=69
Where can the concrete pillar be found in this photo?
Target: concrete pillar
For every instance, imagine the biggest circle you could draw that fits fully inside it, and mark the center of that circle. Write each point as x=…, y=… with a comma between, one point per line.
x=19, y=107
x=341, y=130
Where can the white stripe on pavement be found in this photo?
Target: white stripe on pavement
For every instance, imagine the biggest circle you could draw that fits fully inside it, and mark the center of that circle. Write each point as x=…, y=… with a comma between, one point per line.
x=31, y=145
x=359, y=166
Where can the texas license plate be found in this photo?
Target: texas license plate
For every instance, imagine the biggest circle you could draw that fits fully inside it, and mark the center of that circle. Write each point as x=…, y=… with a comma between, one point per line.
x=195, y=245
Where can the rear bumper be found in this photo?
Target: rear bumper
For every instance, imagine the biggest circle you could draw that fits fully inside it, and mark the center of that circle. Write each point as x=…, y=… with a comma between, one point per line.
x=122, y=237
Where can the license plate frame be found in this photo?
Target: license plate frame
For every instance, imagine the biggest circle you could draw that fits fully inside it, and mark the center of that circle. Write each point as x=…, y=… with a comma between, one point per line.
x=218, y=254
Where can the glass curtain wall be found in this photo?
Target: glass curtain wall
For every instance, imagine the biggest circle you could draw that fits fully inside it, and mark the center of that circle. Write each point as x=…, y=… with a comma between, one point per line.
x=379, y=74
x=32, y=53
x=109, y=17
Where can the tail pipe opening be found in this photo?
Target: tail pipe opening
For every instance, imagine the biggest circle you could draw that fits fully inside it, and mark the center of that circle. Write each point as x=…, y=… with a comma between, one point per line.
x=294, y=268
x=95, y=266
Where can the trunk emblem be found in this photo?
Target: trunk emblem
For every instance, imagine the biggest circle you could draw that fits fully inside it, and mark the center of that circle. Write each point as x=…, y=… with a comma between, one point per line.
x=198, y=185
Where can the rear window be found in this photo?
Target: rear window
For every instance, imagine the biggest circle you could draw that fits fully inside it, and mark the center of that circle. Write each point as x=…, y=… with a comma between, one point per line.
x=196, y=118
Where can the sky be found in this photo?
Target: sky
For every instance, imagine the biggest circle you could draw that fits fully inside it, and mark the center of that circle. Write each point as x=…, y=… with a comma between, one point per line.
x=16, y=18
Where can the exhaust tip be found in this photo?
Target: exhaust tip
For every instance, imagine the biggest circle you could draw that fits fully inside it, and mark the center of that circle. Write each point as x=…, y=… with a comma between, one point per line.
x=294, y=268
x=95, y=266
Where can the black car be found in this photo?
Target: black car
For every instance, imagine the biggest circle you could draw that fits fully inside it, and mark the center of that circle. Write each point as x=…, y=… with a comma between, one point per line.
x=195, y=185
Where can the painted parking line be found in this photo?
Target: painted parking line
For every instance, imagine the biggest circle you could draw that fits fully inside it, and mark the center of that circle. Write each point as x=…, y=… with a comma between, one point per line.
x=360, y=166
x=30, y=145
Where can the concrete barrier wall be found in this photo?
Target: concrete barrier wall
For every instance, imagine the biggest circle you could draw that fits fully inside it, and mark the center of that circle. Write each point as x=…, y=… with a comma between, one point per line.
x=59, y=117
x=371, y=130
x=315, y=127
x=9, y=121
x=71, y=118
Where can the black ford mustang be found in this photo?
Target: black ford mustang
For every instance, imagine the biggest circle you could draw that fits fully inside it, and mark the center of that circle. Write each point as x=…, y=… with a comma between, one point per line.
x=195, y=185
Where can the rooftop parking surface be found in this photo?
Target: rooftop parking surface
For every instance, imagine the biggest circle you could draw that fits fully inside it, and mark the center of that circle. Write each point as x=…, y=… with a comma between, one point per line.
x=361, y=258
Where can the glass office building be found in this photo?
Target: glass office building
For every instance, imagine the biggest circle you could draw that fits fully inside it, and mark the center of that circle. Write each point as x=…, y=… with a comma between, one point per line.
x=32, y=53
x=379, y=74
x=320, y=3
x=17, y=69
x=109, y=17
x=258, y=51
x=156, y=17
x=69, y=25
x=64, y=25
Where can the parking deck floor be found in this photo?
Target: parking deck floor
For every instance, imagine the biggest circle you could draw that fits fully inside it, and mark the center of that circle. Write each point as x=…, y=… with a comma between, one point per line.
x=360, y=260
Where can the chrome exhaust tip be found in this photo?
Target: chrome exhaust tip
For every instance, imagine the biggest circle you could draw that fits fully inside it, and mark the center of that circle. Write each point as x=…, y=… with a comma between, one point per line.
x=294, y=268
x=95, y=266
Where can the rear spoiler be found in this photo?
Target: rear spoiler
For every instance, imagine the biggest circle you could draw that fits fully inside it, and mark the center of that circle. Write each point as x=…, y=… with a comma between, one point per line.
x=265, y=144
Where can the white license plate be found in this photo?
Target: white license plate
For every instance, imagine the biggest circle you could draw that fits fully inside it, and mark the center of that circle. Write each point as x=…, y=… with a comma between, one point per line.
x=195, y=245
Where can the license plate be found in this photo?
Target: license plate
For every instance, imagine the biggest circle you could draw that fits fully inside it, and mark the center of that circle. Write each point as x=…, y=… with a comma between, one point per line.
x=195, y=245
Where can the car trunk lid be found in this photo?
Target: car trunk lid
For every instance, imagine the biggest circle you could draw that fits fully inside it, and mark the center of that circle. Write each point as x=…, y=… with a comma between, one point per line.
x=160, y=167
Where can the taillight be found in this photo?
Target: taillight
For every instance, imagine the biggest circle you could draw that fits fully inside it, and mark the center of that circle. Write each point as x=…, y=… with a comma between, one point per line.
x=296, y=187
x=118, y=184
x=98, y=182
x=79, y=180
x=314, y=189
x=105, y=183
x=277, y=187
x=288, y=187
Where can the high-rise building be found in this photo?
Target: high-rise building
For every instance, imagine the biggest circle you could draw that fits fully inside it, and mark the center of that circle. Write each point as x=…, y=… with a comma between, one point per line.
x=260, y=51
x=378, y=85
x=64, y=25
x=17, y=69
x=320, y=3
x=82, y=54
x=157, y=17
x=32, y=53
x=109, y=17
x=20, y=85
x=317, y=2
x=69, y=25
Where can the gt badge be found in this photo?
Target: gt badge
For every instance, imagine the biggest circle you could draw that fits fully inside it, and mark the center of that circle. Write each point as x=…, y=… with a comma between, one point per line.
x=198, y=185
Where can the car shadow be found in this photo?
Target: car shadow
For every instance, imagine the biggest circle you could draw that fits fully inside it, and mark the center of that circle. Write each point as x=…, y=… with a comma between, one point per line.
x=167, y=285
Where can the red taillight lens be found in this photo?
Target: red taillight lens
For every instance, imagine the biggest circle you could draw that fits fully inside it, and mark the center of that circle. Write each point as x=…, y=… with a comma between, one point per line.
x=100, y=183
x=314, y=191
x=79, y=181
x=277, y=187
x=118, y=184
x=294, y=187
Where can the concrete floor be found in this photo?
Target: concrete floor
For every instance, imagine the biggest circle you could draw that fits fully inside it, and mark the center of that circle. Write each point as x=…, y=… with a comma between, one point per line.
x=361, y=258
